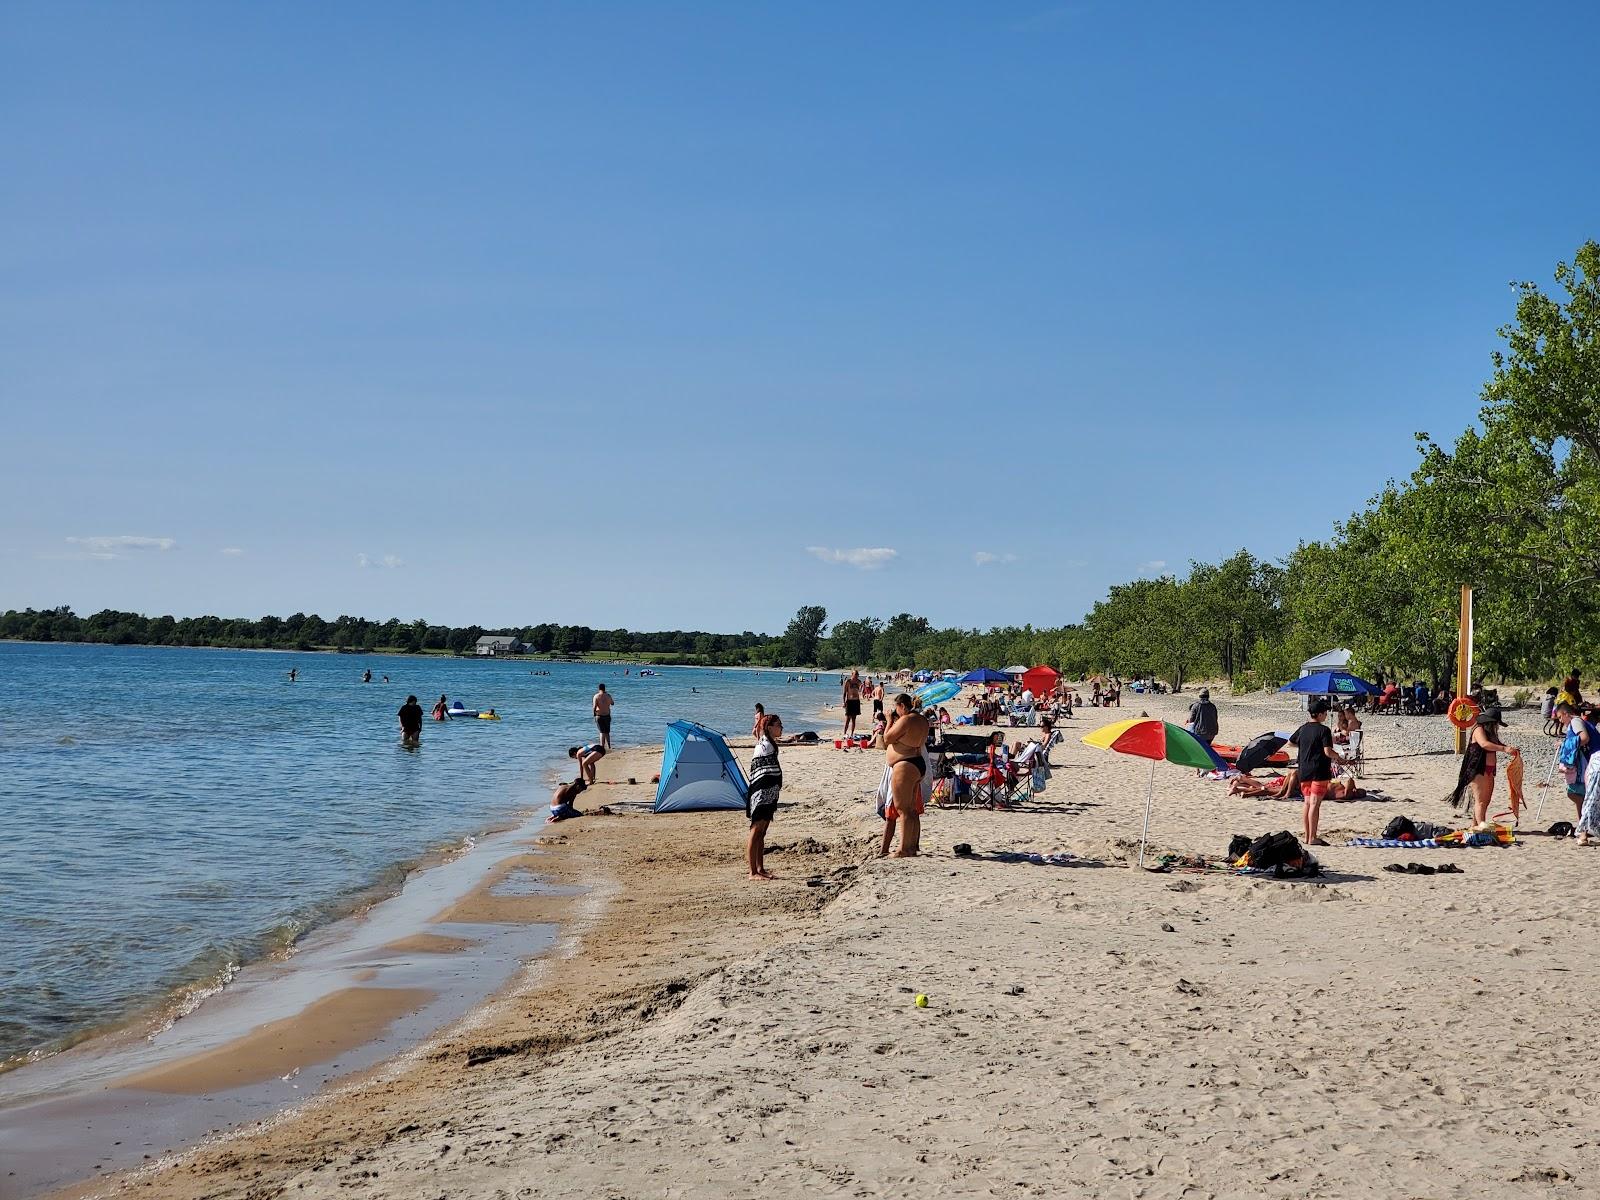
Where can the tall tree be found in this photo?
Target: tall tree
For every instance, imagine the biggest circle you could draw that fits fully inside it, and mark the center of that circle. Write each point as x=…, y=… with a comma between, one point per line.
x=801, y=638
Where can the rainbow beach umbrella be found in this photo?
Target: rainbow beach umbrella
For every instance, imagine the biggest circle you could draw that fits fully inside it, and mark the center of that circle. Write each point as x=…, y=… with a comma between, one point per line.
x=1145, y=737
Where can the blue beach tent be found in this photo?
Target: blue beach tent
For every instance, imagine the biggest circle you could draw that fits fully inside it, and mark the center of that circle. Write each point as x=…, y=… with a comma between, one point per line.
x=698, y=771
x=1331, y=683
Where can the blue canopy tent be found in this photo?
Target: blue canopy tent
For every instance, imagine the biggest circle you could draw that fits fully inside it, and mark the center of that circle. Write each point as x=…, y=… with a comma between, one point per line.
x=984, y=675
x=1331, y=683
x=698, y=771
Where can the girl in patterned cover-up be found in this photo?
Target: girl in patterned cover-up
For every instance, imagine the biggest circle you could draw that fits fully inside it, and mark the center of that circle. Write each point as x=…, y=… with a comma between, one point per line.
x=766, y=781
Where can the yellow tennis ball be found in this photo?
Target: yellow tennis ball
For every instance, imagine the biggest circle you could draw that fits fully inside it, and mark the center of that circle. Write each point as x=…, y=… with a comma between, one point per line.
x=922, y=1001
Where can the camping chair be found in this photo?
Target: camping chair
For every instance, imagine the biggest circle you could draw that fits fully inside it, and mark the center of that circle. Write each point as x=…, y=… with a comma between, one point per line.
x=1000, y=787
x=1353, y=753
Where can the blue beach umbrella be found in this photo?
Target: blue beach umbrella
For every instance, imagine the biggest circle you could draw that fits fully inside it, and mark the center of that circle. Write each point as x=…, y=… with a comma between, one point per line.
x=936, y=693
x=984, y=675
x=1331, y=683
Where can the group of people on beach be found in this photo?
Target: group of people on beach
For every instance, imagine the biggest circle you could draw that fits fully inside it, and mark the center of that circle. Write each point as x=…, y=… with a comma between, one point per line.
x=1487, y=756
x=587, y=756
x=903, y=738
x=853, y=691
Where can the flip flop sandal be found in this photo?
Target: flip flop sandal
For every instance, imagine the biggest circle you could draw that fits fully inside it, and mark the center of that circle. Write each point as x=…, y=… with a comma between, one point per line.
x=1450, y=869
x=1419, y=869
x=1397, y=868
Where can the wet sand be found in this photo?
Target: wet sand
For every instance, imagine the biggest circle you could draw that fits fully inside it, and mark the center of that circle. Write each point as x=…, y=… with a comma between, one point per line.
x=321, y=1032
x=354, y=994
x=428, y=943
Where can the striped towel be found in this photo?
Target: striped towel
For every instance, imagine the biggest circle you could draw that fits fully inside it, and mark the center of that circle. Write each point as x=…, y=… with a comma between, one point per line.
x=1397, y=843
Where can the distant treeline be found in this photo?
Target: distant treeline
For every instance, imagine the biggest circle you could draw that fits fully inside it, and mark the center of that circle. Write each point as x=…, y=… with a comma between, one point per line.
x=311, y=632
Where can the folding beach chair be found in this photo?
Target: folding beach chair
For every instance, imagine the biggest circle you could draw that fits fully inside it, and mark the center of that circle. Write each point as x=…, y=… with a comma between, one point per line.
x=1353, y=753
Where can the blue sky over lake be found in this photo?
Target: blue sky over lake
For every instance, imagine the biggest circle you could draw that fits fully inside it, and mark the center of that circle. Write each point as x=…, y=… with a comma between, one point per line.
x=662, y=316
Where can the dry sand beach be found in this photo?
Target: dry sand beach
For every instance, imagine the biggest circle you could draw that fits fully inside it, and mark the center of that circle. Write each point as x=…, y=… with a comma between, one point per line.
x=1092, y=1029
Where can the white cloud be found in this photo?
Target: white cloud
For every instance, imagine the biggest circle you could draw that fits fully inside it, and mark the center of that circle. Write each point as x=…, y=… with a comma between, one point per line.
x=231, y=551
x=986, y=558
x=1155, y=564
x=388, y=560
x=105, y=546
x=863, y=558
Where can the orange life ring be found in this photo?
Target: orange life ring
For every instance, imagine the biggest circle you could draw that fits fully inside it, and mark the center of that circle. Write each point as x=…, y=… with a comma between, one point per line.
x=1463, y=711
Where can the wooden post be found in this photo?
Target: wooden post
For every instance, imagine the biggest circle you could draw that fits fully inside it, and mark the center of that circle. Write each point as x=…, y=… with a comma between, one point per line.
x=1464, y=659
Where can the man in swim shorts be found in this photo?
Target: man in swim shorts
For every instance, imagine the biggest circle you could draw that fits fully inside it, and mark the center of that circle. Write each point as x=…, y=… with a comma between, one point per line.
x=562, y=807
x=906, y=738
x=852, y=701
x=410, y=722
x=602, y=715
x=1314, y=742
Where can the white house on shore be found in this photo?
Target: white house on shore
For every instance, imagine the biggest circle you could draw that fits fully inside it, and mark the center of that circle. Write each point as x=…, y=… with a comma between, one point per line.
x=497, y=646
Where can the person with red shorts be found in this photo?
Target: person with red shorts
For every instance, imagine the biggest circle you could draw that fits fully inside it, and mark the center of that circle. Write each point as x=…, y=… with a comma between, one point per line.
x=1314, y=741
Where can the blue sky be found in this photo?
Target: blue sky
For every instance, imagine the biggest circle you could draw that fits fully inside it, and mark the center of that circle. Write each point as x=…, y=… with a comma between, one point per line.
x=686, y=315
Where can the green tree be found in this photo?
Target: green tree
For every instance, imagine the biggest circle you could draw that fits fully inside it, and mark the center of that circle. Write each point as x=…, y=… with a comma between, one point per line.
x=802, y=637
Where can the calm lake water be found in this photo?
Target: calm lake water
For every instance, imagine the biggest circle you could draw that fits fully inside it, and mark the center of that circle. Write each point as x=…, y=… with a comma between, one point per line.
x=172, y=813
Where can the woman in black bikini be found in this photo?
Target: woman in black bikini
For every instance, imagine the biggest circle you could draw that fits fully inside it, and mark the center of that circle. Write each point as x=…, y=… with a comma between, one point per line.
x=906, y=736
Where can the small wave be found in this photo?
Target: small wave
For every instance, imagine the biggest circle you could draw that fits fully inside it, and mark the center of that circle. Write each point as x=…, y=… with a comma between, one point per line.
x=192, y=997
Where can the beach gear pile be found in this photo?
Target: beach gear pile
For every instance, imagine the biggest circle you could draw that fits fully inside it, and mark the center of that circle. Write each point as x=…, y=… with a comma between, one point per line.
x=1278, y=855
x=1402, y=833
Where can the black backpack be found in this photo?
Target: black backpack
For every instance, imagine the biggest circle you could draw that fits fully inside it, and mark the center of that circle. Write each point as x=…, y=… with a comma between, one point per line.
x=1275, y=849
x=1400, y=827
x=1238, y=848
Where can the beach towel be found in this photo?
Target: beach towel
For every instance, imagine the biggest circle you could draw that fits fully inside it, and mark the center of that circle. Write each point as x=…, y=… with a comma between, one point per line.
x=1397, y=843
x=885, y=791
x=1514, y=781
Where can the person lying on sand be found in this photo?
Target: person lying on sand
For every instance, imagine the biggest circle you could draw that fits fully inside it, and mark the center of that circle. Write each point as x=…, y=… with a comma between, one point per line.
x=1287, y=787
x=1271, y=787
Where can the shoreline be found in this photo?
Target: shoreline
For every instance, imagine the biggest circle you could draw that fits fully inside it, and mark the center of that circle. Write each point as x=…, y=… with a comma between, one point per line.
x=572, y=855
x=348, y=997
x=279, y=944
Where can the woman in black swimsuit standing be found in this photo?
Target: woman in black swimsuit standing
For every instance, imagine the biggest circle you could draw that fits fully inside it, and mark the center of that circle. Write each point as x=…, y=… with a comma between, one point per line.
x=906, y=736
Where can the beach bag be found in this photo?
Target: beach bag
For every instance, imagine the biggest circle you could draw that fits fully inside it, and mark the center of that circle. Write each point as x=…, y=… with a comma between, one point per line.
x=1400, y=827
x=942, y=792
x=1238, y=847
x=1274, y=850
x=885, y=792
